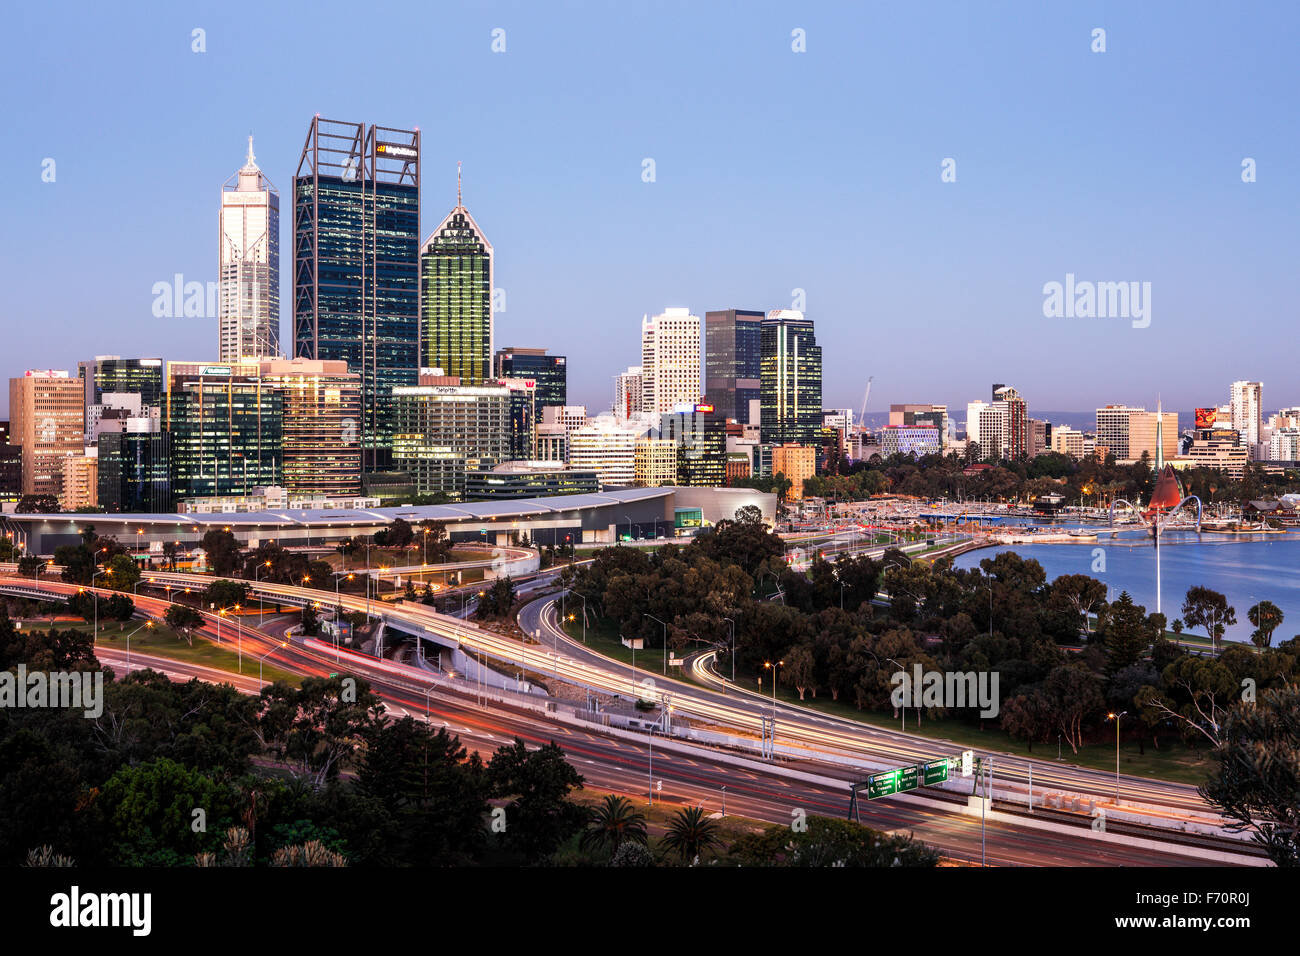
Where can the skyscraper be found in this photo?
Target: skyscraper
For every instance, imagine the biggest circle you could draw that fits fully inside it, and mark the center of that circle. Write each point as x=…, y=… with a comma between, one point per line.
x=791, y=379
x=248, y=266
x=226, y=428
x=356, y=263
x=456, y=298
x=732, y=361
x=1017, y=426
x=48, y=419
x=1246, y=398
x=549, y=372
x=628, y=392
x=701, y=443
x=670, y=360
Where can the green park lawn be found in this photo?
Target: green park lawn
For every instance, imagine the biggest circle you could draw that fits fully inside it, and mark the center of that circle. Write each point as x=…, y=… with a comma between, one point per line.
x=162, y=641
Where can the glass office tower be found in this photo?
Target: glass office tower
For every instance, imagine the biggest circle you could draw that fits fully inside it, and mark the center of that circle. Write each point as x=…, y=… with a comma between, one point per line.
x=134, y=472
x=456, y=298
x=732, y=361
x=791, y=380
x=227, y=430
x=112, y=373
x=548, y=371
x=356, y=263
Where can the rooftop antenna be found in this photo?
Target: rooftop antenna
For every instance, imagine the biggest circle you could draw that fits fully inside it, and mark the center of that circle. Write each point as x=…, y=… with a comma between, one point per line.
x=250, y=149
x=458, y=202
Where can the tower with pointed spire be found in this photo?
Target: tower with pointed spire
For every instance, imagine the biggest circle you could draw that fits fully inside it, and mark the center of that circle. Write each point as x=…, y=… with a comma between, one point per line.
x=456, y=308
x=248, y=266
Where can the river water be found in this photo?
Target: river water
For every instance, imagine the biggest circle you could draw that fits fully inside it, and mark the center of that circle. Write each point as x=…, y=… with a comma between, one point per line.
x=1247, y=569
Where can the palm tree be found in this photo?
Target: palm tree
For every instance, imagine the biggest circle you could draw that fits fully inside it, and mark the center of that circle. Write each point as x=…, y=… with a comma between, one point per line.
x=613, y=822
x=690, y=833
x=1267, y=618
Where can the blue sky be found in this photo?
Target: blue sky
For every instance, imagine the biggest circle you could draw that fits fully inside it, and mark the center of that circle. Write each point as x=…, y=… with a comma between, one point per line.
x=775, y=171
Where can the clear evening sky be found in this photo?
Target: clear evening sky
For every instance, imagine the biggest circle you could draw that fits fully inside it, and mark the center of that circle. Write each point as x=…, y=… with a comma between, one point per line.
x=774, y=171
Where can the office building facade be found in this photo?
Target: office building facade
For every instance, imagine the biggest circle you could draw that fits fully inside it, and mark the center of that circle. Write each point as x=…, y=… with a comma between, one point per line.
x=670, y=360
x=442, y=432
x=791, y=380
x=548, y=372
x=356, y=264
x=47, y=419
x=248, y=266
x=456, y=322
x=226, y=428
x=701, y=439
x=733, y=362
x=134, y=469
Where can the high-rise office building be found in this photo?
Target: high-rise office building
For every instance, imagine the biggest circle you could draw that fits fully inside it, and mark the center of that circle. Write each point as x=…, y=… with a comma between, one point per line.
x=796, y=462
x=670, y=360
x=80, y=484
x=134, y=469
x=321, y=403
x=248, y=266
x=112, y=373
x=1130, y=432
x=791, y=380
x=607, y=446
x=628, y=392
x=47, y=417
x=1246, y=399
x=456, y=298
x=356, y=264
x=987, y=426
x=654, y=462
x=442, y=432
x=226, y=427
x=732, y=361
x=1017, y=424
x=549, y=372
x=701, y=438
x=523, y=417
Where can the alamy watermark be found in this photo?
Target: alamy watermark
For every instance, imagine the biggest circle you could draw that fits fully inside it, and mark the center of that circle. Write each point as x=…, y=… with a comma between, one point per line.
x=192, y=300
x=1098, y=300
x=947, y=690
x=76, y=689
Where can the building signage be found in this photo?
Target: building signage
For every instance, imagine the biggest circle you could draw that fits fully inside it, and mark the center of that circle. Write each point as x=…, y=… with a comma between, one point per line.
x=397, y=151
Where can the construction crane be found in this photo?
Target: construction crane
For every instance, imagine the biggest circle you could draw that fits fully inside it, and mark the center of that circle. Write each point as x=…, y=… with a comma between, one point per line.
x=866, y=395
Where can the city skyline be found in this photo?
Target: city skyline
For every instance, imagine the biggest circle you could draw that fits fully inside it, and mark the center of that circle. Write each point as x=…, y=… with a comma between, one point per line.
x=888, y=256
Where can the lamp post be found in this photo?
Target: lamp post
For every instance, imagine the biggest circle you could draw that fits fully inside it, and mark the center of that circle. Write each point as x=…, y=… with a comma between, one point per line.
x=768, y=665
x=96, y=595
x=264, y=657
x=148, y=624
x=1116, y=717
x=257, y=571
x=665, y=627
x=629, y=526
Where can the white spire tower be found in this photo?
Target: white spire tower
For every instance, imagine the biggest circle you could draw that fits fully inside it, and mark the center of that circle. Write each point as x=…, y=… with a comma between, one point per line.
x=249, y=265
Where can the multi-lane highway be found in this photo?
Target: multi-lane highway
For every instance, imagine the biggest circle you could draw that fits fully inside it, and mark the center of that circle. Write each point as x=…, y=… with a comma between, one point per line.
x=622, y=764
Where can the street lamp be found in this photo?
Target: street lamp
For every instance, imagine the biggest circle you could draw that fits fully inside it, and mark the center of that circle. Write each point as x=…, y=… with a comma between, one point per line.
x=148, y=624
x=768, y=665
x=96, y=594
x=264, y=657
x=1116, y=717
x=257, y=571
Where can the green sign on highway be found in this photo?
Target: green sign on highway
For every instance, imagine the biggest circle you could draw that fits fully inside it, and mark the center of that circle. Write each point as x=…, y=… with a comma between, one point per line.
x=891, y=781
x=936, y=771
